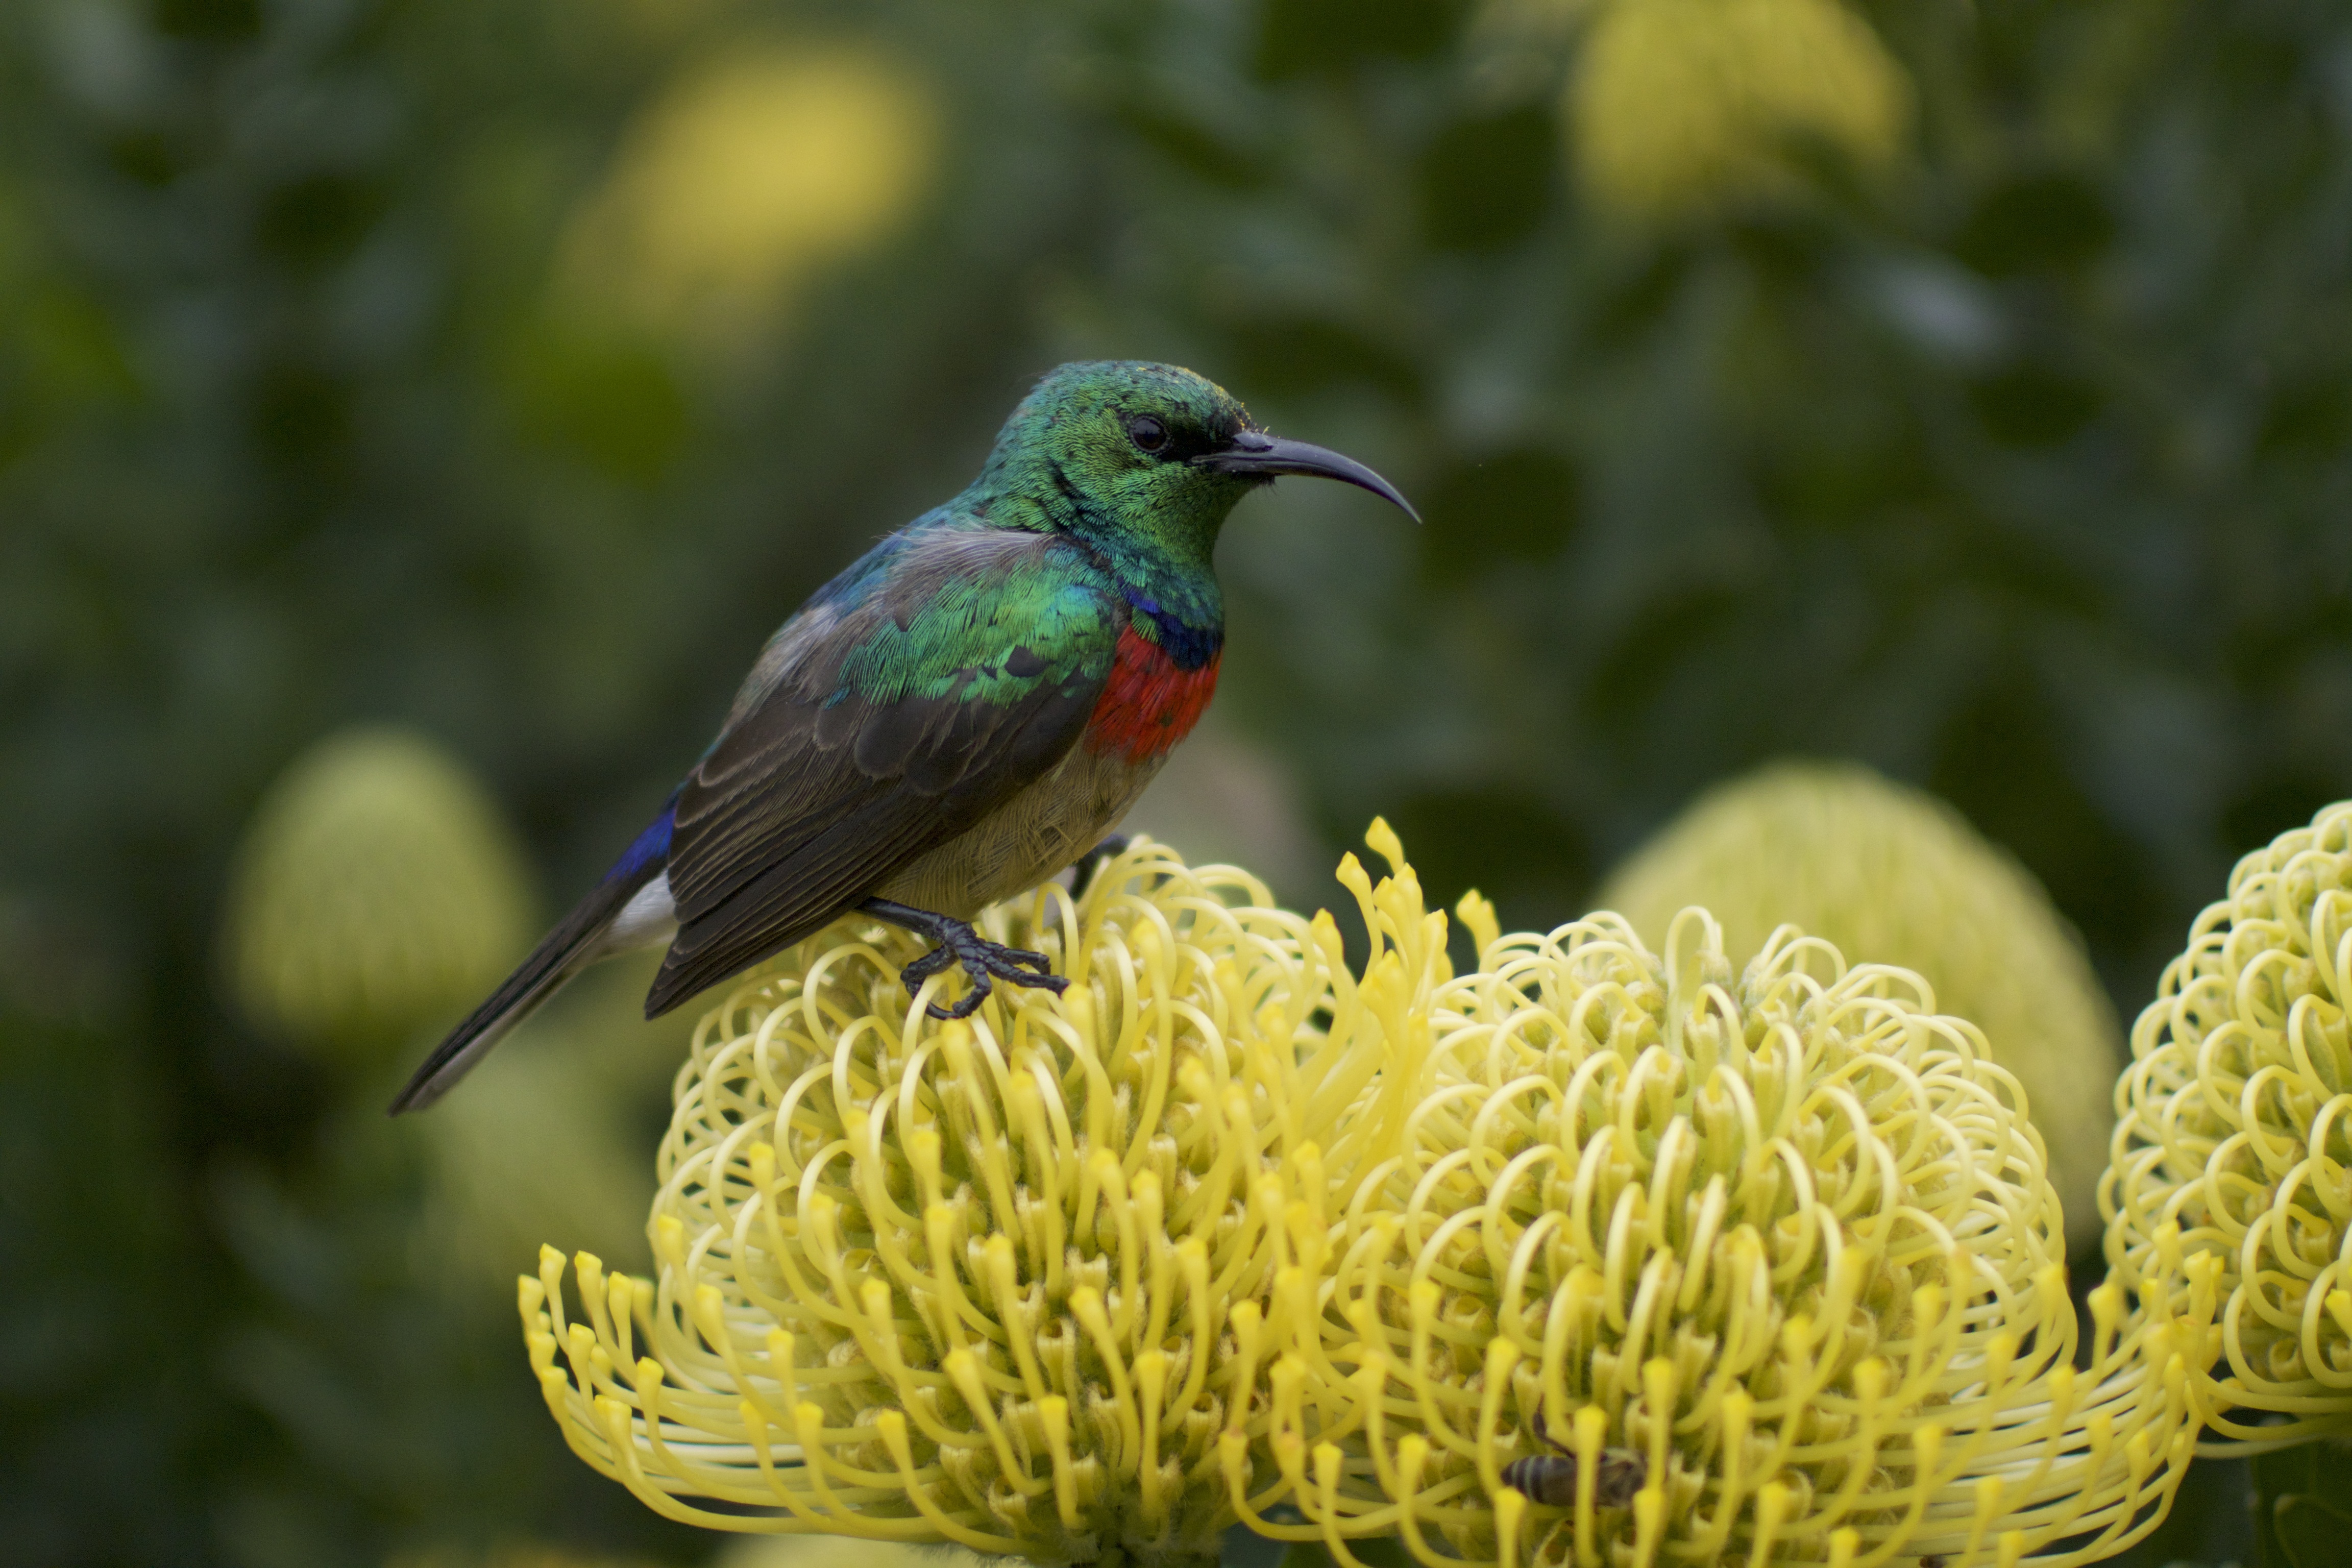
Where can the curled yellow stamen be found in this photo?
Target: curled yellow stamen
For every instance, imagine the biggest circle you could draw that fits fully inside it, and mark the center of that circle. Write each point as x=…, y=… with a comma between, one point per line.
x=1000, y=1281
x=2229, y=1198
x=1765, y=1250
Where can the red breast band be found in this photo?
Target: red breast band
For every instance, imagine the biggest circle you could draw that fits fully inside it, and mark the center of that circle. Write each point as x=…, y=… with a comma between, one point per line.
x=1148, y=704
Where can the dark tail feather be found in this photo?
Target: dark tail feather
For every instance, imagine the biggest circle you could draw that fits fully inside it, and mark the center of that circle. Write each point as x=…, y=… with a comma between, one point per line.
x=561, y=954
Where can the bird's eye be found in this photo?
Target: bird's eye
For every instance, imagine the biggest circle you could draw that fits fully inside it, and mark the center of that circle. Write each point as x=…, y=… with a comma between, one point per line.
x=1148, y=434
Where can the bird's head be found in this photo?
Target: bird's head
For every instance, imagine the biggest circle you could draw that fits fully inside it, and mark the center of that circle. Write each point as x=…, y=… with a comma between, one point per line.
x=1131, y=454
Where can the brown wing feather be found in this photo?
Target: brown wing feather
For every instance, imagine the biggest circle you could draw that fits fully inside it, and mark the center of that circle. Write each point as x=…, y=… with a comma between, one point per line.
x=837, y=857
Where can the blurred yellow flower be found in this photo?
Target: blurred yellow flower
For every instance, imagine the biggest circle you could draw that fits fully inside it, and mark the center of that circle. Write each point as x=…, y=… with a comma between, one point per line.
x=378, y=890
x=744, y=179
x=1891, y=875
x=2230, y=1197
x=1003, y=1283
x=1676, y=104
x=1770, y=1256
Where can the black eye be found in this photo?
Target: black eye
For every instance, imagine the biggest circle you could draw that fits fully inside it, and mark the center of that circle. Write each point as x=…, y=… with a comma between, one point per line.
x=1148, y=434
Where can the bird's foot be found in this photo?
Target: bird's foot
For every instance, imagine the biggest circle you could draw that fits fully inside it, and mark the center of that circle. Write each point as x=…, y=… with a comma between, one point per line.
x=983, y=961
x=1083, y=869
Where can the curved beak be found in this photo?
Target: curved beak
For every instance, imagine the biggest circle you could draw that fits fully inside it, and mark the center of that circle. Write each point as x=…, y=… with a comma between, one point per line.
x=1255, y=452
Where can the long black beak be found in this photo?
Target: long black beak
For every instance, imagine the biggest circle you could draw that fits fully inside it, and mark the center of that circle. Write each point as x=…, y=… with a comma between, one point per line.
x=1255, y=452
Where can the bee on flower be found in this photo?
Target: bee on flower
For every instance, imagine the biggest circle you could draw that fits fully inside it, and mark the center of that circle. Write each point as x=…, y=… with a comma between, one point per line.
x=1587, y=1255
x=1770, y=1253
x=1551, y=1478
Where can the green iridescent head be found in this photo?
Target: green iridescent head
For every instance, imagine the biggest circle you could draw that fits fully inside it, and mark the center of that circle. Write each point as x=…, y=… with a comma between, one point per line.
x=1135, y=456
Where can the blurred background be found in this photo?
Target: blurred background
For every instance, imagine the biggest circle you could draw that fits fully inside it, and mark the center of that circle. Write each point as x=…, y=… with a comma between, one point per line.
x=414, y=414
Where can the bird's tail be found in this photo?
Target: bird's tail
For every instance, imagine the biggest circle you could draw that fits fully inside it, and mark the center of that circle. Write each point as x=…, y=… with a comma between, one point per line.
x=581, y=938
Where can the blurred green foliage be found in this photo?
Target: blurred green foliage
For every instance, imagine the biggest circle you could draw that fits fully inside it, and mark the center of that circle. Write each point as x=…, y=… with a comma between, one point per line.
x=2013, y=463
x=2303, y=1507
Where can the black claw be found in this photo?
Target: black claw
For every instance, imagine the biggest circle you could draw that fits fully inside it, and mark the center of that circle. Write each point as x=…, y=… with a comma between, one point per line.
x=983, y=961
x=921, y=969
x=972, y=998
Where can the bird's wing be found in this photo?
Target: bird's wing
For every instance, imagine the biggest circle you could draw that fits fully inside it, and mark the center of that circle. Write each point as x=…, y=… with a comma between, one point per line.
x=918, y=693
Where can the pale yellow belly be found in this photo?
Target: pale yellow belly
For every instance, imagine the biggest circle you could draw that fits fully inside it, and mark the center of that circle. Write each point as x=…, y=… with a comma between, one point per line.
x=1034, y=834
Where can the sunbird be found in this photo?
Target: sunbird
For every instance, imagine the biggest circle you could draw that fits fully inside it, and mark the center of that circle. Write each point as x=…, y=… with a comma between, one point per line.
x=966, y=710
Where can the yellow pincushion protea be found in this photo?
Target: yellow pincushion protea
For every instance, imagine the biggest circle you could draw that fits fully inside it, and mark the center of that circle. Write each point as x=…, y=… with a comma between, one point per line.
x=1781, y=1240
x=378, y=889
x=1002, y=1283
x=2229, y=1196
x=1889, y=874
x=745, y=179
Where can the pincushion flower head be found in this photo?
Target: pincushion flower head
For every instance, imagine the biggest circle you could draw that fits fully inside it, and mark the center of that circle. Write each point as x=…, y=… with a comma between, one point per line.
x=1893, y=875
x=743, y=181
x=1678, y=105
x=1003, y=1283
x=377, y=889
x=2229, y=1195
x=1771, y=1254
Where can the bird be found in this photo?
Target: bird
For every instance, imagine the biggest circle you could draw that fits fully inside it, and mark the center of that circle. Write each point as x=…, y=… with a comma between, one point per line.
x=968, y=709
